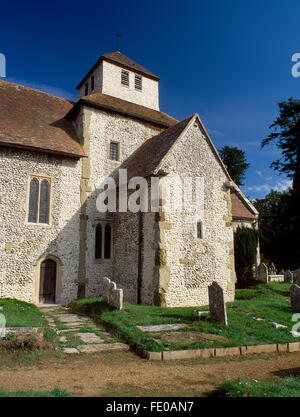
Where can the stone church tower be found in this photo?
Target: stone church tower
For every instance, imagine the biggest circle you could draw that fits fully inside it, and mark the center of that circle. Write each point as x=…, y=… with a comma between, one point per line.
x=54, y=243
x=137, y=85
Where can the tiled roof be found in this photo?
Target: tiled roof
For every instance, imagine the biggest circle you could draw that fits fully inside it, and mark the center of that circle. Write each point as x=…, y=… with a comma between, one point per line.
x=239, y=208
x=147, y=158
x=122, y=60
x=35, y=120
x=110, y=103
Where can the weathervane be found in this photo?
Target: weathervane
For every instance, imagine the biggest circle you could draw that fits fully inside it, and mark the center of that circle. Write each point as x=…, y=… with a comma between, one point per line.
x=118, y=36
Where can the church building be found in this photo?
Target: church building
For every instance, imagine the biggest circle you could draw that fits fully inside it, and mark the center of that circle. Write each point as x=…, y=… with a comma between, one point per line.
x=56, y=246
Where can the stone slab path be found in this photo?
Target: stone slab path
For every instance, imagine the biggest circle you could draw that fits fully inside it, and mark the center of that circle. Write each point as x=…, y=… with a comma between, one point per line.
x=162, y=327
x=79, y=334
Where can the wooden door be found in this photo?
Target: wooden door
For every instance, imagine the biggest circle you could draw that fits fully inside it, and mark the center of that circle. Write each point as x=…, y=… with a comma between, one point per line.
x=47, y=281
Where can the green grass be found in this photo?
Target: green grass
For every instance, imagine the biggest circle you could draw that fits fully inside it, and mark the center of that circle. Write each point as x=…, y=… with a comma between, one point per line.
x=21, y=357
x=279, y=286
x=242, y=329
x=32, y=393
x=277, y=387
x=21, y=314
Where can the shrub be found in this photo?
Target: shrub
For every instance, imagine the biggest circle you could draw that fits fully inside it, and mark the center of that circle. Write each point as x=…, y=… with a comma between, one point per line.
x=245, y=249
x=28, y=342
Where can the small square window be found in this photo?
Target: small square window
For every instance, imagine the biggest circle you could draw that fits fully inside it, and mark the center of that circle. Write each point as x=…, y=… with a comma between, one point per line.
x=114, y=151
x=92, y=83
x=125, y=78
x=199, y=229
x=138, y=82
x=86, y=88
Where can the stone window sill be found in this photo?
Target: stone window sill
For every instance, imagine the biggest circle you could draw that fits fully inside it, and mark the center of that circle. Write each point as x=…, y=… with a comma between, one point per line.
x=38, y=224
x=102, y=261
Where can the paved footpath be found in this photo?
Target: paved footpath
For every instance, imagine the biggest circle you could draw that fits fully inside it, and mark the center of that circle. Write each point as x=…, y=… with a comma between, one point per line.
x=79, y=334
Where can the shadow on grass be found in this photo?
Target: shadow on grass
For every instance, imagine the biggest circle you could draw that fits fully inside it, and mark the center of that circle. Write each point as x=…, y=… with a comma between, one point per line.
x=287, y=372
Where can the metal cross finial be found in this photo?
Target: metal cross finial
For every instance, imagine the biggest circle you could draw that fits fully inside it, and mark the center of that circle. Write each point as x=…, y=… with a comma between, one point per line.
x=118, y=36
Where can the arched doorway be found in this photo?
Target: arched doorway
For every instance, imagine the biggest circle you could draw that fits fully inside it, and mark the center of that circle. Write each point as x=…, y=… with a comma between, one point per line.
x=47, y=281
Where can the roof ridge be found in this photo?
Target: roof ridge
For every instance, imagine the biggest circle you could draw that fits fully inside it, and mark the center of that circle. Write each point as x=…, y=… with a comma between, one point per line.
x=242, y=196
x=39, y=91
x=132, y=65
x=187, y=120
x=136, y=161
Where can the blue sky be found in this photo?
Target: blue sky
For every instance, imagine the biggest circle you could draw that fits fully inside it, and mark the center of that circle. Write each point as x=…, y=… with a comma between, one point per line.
x=228, y=60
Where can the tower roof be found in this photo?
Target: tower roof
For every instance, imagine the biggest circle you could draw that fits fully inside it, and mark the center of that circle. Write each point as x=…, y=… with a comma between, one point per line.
x=117, y=105
x=123, y=61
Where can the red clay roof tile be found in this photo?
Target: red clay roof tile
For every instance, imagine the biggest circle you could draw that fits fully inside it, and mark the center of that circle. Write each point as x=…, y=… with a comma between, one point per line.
x=239, y=209
x=110, y=103
x=35, y=120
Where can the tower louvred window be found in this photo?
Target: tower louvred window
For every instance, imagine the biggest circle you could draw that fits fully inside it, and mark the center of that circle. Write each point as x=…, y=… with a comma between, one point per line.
x=125, y=78
x=138, y=82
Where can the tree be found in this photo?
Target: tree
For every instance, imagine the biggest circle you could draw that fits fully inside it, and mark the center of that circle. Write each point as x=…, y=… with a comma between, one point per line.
x=245, y=249
x=235, y=161
x=287, y=136
x=276, y=233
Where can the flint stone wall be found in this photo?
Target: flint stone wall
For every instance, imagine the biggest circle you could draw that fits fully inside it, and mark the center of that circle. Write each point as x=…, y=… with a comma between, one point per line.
x=22, y=244
x=100, y=128
x=190, y=264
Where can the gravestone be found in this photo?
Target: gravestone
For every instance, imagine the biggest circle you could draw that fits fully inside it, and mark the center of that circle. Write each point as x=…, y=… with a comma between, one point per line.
x=217, y=305
x=162, y=327
x=297, y=277
x=263, y=273
x=295, y=297
x=272, y=269
x=111, y=294
x=288, y=276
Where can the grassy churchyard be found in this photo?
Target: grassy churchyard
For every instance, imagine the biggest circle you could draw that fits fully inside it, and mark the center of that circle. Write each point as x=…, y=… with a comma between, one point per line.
x=277, y=387
x=21, y=314
x=249, y=318
x=249, y=321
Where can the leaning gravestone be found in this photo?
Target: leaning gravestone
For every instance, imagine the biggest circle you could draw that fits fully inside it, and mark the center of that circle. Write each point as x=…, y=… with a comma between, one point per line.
x=297, y=277
x=111, y=294
x=288, y=276
x=263, y=273
x=295, y=297
x=217, y=305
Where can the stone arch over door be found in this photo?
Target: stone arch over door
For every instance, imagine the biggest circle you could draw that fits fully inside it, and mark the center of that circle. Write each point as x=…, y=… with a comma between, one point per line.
x=48, y=280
